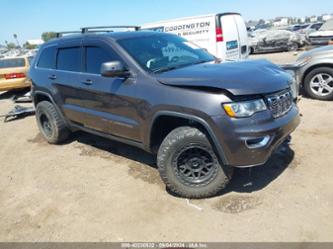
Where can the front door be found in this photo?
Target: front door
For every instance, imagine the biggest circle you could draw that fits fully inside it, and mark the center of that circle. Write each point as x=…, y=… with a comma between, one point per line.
x=109, y=103
x=66, y=77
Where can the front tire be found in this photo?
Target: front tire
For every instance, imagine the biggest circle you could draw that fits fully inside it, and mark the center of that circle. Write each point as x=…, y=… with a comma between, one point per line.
x=50, y=123
x=293, y=47
x=318, y=84
x=189, y=166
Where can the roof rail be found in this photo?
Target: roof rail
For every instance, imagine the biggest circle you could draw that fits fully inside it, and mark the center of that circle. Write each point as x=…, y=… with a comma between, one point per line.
x=60, y=34
x=107, y=28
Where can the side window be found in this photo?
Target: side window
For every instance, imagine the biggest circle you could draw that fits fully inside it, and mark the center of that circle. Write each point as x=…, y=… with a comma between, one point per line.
x=96, y=56
x=47, y=58
x=69, y=59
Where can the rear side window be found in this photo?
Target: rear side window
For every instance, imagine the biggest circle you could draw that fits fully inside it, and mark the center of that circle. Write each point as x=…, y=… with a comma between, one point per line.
x=47, y=58
x=96, y=56
x=69, y=59
x=9, y=63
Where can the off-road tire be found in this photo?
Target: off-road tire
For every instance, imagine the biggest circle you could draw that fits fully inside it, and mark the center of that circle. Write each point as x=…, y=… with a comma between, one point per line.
x=58, y=131
x=176, y=141
x=309, y=77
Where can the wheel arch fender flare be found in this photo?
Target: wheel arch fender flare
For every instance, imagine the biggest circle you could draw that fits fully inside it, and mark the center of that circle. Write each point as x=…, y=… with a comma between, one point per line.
x=190, y=117
x=45, y=94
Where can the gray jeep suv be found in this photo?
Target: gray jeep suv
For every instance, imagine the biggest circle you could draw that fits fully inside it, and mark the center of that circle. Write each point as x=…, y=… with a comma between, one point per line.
x=167, y=96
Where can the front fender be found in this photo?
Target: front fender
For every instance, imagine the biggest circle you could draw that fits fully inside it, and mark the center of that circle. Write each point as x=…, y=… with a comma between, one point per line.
x=205, y=122
x=325, y=62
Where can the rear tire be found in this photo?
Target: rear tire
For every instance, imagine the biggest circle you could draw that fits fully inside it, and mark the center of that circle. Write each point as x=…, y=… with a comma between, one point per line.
x=189, y=166
x=318, y=84
x=50, y=123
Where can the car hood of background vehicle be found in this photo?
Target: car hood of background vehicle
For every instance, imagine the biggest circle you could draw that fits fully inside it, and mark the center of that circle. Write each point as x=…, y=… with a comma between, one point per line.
x=325, y=51
x=239, y=78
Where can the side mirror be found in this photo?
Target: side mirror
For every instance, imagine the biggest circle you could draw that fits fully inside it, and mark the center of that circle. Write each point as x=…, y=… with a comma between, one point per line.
x=114, y=69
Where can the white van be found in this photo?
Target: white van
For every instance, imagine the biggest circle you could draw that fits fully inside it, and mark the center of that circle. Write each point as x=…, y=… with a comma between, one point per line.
x=223, y=35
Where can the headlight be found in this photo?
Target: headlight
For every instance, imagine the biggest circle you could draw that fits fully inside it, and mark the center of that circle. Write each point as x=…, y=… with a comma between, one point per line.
x=244, y=109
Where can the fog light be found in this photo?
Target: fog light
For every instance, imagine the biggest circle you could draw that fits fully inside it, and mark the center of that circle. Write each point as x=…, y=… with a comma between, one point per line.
x=257, y=143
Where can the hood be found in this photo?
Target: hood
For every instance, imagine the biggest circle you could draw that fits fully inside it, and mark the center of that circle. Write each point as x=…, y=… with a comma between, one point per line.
x=324, y=51
x=239, y=78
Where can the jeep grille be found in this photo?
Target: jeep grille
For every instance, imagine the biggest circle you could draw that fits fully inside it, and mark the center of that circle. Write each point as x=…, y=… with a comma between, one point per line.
x=280, y=103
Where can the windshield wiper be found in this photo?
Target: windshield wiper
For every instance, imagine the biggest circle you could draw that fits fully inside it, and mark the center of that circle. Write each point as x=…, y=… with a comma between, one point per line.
x=199, y=62
x=165, y=69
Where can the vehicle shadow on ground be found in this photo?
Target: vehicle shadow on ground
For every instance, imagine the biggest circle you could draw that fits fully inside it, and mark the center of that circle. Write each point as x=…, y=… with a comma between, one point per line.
x=245, y=180
x=253, y=179
x=13, y=93
x=114, y=147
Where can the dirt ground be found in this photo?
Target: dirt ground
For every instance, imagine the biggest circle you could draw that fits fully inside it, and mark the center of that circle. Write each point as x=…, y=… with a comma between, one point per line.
x=278, y=58
x=91, y=189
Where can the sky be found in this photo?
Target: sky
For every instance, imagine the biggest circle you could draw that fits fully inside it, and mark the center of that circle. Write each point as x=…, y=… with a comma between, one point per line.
x=29, y=18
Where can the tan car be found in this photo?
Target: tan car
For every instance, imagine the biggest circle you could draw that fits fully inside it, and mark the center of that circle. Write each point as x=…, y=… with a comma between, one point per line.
x=14, y=73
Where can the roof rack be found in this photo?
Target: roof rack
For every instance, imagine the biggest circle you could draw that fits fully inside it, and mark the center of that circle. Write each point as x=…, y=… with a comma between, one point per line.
x=107, y=28
x=60, y=34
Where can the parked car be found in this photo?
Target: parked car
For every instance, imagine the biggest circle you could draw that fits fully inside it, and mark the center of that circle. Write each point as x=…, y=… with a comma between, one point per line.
x=323, y=35
x=161, y=93
x=316, y=72
x=263, y=41
x=310, y=28
x=13, y=73
x=223, y=35
x=298, y=27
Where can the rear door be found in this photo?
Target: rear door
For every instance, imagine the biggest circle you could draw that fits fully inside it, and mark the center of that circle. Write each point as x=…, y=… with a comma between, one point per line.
x=243, y=36
x=234, y=45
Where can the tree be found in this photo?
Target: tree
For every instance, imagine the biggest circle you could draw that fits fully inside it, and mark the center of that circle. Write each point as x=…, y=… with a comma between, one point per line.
x=15, y=37
x=27, y=45
x=11, y=45
x=261, y=22
x=46, y=36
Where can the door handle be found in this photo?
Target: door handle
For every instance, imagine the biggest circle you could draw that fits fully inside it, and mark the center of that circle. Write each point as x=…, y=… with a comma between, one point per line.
x=87, y=82
x=52, y=77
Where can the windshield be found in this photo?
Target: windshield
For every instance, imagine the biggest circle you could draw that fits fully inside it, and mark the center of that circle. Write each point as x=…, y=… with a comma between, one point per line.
x=164, y=52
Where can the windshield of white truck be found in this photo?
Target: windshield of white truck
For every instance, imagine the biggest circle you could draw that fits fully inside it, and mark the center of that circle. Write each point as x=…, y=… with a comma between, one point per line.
x=165, y=52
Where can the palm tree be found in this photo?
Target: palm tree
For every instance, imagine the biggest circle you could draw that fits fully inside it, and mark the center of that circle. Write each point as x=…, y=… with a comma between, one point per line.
x=15, y=37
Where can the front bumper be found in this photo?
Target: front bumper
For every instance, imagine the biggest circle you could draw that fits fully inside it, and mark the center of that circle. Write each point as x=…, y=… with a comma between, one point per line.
x=264, y=132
